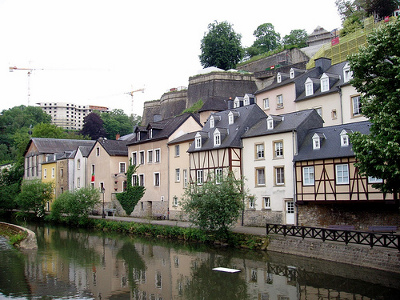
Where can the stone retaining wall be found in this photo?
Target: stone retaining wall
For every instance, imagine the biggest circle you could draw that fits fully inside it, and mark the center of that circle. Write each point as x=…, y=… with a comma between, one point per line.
x=29, y=242
x=377, y=257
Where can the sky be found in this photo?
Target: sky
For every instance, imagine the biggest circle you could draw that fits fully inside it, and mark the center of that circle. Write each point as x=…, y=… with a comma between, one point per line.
x=95, y=52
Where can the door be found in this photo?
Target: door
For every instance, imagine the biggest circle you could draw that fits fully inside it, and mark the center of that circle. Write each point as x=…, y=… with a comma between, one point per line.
x=290, y=212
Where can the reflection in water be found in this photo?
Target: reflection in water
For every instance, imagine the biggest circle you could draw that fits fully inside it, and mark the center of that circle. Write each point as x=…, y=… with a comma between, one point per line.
x=87, y=265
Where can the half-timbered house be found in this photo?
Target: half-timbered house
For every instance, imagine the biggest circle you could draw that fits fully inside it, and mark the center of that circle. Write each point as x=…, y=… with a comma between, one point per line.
x=329, y=187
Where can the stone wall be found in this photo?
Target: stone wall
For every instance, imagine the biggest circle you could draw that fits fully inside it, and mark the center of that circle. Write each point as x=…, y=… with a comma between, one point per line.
x=360, y=215
x=261, y=217
x=150, y=109
x=173, y=103
x=360, y=255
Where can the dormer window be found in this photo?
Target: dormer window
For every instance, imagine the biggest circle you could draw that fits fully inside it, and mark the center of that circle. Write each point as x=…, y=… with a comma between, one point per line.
x=347, y=73
x=246, y=100
x=324, y=83
x=279, y=78
x=231, y=118
x=217, y=138
x=151, y=133
x=309, y=87
x=197, y=141
x=212, y=122
x=270, y=123
x=236, y=103
x=291, y=74
x=344, y=138
x=138, y=136
x=317, y=141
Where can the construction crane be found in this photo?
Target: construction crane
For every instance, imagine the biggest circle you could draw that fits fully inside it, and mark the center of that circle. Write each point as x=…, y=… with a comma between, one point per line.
x=30, y=70
x=132, y=92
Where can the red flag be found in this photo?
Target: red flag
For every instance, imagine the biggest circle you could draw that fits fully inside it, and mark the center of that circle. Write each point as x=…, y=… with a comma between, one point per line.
x=335, y=41
x=92, y=177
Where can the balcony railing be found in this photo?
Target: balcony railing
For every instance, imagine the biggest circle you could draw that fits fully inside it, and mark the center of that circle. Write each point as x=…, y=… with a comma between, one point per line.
x=372, y=239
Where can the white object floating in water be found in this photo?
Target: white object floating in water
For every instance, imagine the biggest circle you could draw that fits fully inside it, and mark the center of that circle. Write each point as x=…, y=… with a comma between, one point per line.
x=227, y=270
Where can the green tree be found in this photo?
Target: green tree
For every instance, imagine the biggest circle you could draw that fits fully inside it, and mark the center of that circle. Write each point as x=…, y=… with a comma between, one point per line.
x=46, y=130
x=296, y=37
x=215, y=205
x=376, y=75
x=129, y=198
x=10, y=186
x=221, y=46
x=34, y=196
x=93, y=126
x=117, y=122
x=266, y=38
x=75, y=205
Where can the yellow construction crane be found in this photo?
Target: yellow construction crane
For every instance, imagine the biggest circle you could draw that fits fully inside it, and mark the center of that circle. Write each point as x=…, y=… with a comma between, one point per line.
x=30, y=70
x=132, y=92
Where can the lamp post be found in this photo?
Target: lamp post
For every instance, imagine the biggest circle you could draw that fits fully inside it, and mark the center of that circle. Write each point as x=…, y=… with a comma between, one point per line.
x=103, y=190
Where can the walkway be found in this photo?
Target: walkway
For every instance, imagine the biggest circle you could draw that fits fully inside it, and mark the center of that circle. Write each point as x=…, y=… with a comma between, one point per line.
x=239, y=229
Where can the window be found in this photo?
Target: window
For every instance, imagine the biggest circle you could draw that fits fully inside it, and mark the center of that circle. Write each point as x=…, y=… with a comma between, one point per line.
x=324, y=83
x=374, y=180
x=309, y=87
x=177, y=175
x=134, y=158
x=267, y=202
x=122, y=167
x=45, y=173
x=259, y=151
x=151, y=133
x=308, y=175
x=175, y=201
x=149, y=156
x=156, y=179
x=356, y=105
x=218, y=176
x=157, y=153
x=78, y=164
x=278, y=149
x=279, y=176
x=135, y=180
x=266, y=103
x=279, y=101
x=197, y=141
x=199, y=177
x=291, y=74
x=319, y=110
x=342, y=174
x=347, y=74
x=212, y=122
x=141, y=179
x=217, y=138
x=252, y=203
x=52, y=172
x=61, y=173
x=260, y=176
x=97, y=151
x=316, y=141
x=231, y=118
x=141, y=156
x=279, y=78
x=78, y=183
x=177, y=150
x=185, y=179
x=344, y=138
x=270, y=123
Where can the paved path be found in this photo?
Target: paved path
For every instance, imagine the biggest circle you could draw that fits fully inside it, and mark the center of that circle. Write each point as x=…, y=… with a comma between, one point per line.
x=239, y=229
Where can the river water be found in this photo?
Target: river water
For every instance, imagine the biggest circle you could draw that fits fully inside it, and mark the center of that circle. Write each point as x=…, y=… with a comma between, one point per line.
x=83, y=264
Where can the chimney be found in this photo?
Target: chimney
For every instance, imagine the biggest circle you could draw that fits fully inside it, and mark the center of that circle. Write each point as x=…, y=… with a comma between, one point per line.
x=323, y=63
x=230, y=103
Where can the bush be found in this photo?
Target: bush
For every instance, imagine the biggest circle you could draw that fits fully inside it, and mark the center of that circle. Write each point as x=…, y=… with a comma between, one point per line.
x=34, y=196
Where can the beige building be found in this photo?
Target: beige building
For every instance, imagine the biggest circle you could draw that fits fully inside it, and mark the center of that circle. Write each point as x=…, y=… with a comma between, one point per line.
x=150, y=152
x=107, y=165
x=68, y=115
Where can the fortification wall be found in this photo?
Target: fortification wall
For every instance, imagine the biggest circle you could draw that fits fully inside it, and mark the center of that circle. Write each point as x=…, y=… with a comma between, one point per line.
x=150, y=109
x=173, y=103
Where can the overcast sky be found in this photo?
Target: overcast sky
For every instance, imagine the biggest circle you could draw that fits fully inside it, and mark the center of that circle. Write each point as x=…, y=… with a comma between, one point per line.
x=95, y=51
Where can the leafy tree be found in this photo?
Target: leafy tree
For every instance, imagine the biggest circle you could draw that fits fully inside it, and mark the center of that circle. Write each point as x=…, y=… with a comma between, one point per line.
x=221, y=46
x=117, y=122
x=34, y=196
x=376, y=75
x=296, y=37
x=46, y=130
x=75, y=205
x=93, y=126
x=10, y=186
x=215, y=206
x=266, y=38
x=133, y=193
x=350, y=25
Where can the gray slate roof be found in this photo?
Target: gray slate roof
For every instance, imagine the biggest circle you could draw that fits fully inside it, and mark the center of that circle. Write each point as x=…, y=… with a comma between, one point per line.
x=330, y=145
x=114, y=147
x=48, y=146
x=247, y=116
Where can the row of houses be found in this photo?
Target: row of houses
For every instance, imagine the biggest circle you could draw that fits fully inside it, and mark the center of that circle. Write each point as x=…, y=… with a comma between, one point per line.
x=290, y=141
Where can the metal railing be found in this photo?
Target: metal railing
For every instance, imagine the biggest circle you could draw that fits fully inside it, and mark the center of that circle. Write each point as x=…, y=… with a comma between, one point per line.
x=372, y=239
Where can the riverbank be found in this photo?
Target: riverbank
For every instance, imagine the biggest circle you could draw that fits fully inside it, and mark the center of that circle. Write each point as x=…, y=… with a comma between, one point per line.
x=18, y=236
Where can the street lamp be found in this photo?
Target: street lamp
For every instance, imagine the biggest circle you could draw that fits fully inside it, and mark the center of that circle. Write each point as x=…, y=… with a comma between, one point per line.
x=103, y=190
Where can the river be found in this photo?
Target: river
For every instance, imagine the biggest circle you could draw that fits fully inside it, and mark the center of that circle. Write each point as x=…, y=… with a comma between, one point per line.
x=84, y=264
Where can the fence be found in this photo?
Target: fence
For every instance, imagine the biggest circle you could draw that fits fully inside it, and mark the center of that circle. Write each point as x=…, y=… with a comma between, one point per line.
x=337, y=235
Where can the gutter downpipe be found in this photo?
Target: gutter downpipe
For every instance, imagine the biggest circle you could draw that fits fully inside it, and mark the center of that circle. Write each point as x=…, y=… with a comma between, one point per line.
x=341, y=104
